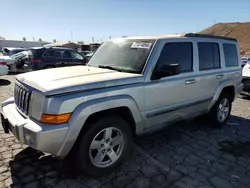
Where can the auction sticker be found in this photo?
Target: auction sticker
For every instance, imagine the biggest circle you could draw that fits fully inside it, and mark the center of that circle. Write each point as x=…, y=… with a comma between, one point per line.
x=143, y=45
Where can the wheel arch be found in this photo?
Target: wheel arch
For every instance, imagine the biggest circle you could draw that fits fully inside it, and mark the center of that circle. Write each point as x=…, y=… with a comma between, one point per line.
x=227, y=87
x=86, y=112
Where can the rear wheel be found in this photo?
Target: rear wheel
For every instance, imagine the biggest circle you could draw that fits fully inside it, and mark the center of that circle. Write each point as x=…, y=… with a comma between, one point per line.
x=103, y=147
x=220, y=112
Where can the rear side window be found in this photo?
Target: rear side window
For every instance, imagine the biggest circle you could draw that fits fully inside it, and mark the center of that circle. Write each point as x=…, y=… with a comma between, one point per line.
x=209, y=55
x=179, y=52
x=48, y=53
x=37, y=53
x=53, y=54
x=231, y=56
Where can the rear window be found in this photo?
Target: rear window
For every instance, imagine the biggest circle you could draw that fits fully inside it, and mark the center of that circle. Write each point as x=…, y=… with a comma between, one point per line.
x=231, y=56
x=37, y=53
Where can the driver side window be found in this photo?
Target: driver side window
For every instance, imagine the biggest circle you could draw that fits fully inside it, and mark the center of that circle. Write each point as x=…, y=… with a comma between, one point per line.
x=177, y=53
x=75, y=55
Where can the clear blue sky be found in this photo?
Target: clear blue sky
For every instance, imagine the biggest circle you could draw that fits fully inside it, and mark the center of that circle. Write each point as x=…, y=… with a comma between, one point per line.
x=55, y=19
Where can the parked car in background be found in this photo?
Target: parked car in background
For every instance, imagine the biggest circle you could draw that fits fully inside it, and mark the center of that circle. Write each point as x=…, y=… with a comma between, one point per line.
x=15, y=62
x=3, y=68
x=131, y=86
x=88, y=56
x=52, y=57
x=7, y=51
x=246, y=77
x=244, y=61
x=84, y=53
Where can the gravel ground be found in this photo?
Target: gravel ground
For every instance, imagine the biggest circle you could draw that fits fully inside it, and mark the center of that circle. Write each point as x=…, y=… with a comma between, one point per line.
x=188, y=154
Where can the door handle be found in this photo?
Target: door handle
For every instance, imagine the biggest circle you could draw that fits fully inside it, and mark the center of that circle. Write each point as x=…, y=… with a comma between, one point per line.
x=192, y=81
x=220, y=76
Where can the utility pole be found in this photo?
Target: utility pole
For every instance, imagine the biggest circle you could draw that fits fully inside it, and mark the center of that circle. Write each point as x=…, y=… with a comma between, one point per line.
x=93, y=39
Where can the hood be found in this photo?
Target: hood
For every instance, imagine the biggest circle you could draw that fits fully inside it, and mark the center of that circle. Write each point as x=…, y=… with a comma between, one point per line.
x=7, y=59
x=76, y=78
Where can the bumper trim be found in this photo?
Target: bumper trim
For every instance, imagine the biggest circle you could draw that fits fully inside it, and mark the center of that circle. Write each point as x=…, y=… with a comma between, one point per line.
x=5, y=124
x=40, y=136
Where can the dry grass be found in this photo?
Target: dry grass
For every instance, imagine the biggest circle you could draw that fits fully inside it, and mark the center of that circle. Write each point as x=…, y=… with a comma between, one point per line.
x=240, y=31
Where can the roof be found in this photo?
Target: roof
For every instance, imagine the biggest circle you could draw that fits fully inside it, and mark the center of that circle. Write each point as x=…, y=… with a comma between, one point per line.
x=187, y=35
x=14, y=48
x=68, y=45
x=59, y=48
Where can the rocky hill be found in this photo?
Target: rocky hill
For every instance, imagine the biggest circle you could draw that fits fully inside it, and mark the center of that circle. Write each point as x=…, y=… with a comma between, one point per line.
x=240, y=31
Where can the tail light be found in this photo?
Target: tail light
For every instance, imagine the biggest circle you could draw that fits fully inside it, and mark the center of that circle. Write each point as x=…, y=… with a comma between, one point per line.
x=36, y=60
x=2, y=63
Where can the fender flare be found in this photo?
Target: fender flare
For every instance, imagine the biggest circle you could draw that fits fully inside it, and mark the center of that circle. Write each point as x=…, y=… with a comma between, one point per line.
x=86, y=109
x=221, y=86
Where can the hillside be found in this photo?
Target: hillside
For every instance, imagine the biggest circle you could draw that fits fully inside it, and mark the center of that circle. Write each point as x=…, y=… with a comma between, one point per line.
x=240, y=31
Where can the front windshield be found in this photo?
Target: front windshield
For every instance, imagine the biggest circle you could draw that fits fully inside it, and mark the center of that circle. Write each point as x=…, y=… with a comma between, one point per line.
x=129, y=55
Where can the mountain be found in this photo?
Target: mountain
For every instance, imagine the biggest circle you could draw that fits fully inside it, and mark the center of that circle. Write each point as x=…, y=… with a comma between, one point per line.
x=240, y=31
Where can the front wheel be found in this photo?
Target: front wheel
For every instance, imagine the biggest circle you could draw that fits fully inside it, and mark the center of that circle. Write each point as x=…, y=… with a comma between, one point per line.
x=221, y=110
x=104, y=146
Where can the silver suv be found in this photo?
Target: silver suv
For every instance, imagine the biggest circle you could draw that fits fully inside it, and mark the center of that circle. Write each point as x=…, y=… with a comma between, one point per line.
x=130, y=86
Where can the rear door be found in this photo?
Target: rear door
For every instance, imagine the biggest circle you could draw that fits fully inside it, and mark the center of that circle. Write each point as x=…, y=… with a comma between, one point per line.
x=210, y=67
x=54, y=58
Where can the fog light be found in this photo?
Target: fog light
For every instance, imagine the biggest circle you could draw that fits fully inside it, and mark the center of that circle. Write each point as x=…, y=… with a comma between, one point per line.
x=30, y=140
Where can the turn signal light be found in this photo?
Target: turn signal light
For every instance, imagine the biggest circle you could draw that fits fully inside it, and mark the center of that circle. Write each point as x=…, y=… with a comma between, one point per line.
x=55, y=119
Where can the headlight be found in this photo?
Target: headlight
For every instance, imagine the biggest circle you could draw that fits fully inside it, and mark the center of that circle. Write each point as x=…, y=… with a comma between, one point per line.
x=36, y=105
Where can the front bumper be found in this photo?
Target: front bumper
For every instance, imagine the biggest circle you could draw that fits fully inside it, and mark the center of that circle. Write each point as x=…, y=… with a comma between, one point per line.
x=43, y=137
x=4, y=70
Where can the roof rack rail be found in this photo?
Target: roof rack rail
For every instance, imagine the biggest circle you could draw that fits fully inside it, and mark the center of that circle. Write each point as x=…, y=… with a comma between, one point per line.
x=207, y=36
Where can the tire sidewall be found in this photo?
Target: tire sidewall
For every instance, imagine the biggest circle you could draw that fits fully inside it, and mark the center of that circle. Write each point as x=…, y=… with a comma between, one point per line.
x=84, y=161
x=215, y=110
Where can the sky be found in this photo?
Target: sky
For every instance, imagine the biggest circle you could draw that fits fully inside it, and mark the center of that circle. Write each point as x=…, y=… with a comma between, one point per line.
x=80, y=20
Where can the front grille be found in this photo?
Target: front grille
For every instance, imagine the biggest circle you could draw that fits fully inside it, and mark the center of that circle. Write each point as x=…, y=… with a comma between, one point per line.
x=22, y=98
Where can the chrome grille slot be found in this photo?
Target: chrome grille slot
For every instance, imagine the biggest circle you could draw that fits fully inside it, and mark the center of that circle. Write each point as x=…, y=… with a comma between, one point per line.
x=22, y=98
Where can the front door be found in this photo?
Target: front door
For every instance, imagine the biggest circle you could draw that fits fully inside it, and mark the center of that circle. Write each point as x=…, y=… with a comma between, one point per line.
x=77, y=59
x=73, y=58
x=175, y=97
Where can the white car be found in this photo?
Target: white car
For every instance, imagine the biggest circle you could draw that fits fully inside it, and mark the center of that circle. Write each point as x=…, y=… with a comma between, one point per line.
x=7, y=59
x=246, y=77
x=11, y=61
x=3, y=68
x=244, y=61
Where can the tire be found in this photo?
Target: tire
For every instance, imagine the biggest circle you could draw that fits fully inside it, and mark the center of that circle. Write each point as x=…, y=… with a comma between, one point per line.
x=86, y=159
x=215, y=114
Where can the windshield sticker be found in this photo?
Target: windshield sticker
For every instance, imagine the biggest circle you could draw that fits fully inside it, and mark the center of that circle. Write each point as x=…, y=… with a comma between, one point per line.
x=143, y=45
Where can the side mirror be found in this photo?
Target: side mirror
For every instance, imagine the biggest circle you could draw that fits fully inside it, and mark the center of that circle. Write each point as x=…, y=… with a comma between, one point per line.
x=167, y=70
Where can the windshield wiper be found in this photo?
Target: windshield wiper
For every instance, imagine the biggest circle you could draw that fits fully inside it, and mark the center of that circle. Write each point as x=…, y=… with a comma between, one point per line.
x=119, y=69
x=111, y=68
